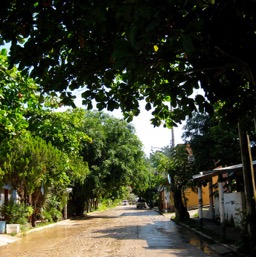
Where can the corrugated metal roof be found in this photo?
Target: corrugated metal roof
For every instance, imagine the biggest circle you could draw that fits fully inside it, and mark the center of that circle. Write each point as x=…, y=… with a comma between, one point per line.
x=210, y=173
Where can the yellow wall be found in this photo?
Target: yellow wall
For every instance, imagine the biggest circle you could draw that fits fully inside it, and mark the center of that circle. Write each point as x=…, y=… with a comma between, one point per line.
x=192, y=197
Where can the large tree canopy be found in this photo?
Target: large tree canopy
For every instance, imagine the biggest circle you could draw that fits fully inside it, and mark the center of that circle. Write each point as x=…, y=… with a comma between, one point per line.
x=160, y=50
x=115, y=159
x=65, y=130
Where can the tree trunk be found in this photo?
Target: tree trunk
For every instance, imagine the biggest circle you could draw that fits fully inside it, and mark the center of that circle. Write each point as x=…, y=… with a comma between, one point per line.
x=248, y=185
x=87, y=205
x=34, y=199
x=33, y=219
x=181, y=212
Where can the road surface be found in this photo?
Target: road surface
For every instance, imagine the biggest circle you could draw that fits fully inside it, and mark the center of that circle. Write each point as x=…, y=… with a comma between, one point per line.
x=120, y=232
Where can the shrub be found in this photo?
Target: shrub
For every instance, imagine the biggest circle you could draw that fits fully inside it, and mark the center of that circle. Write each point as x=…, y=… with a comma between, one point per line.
x=16, y=213
x=51, y=210
x=51, y=215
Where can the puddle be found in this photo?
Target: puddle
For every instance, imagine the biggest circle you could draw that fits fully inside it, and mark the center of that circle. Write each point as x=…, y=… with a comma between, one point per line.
x=207, y=246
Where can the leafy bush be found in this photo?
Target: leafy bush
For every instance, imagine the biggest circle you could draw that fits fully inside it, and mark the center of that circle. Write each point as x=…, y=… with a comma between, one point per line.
x=107, y=203
x=51, y=211
x=52, y=215
x=16, y=213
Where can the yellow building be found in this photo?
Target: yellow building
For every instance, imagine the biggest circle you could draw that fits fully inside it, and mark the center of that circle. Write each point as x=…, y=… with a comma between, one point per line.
x=191, y=196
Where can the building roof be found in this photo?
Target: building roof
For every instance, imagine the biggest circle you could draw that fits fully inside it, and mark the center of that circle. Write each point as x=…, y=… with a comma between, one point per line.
x=203, y=175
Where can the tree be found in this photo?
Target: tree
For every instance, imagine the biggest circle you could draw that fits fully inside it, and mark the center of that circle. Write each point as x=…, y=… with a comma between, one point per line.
x=35, y=168
x=157, y=175
x=114, y=157
x=65, y=130
x=175, y=163
x=180, y=172
x=161, y=51
x=124, y=158
x=121, y=52
x=214, y=143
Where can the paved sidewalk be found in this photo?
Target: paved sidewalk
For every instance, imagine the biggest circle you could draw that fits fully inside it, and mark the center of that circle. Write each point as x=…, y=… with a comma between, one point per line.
x=7, y=239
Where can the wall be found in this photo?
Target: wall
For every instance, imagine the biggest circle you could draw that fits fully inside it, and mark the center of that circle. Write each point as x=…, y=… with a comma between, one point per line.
x=233, y=205
x=192, y=197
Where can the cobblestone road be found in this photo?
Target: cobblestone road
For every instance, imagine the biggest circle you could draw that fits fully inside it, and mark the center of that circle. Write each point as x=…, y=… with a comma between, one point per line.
x=120, y=232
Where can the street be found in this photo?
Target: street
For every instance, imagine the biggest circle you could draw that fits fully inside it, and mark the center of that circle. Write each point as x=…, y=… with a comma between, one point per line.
x=120, y=232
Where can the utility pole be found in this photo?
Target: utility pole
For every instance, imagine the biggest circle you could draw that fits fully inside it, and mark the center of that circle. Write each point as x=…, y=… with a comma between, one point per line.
x=172, y=138
x=172, y=132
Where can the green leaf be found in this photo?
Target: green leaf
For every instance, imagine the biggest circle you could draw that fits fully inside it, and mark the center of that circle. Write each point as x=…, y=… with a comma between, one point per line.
x=148, y=106
x=4, y=52
x=187, y=44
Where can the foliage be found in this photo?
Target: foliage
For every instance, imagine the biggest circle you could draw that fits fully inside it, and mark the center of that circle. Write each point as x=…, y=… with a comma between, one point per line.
x=17, y=94
x=121, y=52
x=107, y=203
x=115, y=160
x=155, y=179
x=16, y=213
x=65, y=130
x=33, y=167
x=123, y=157
x=52, y=210
x=245, y=246
x=181, y=170
x=29, y=163
x=213, y=143
x=159, y=162
x=174, y=162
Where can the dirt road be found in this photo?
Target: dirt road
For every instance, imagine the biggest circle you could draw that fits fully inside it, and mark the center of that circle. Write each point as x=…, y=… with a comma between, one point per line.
x=120, y=232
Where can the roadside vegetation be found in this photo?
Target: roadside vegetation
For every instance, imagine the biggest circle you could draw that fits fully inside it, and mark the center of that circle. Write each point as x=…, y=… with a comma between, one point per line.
x=45, y=151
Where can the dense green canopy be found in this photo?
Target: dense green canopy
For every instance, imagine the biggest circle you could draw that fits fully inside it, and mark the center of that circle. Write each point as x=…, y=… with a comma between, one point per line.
x=214, y=144
x=122, y=51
